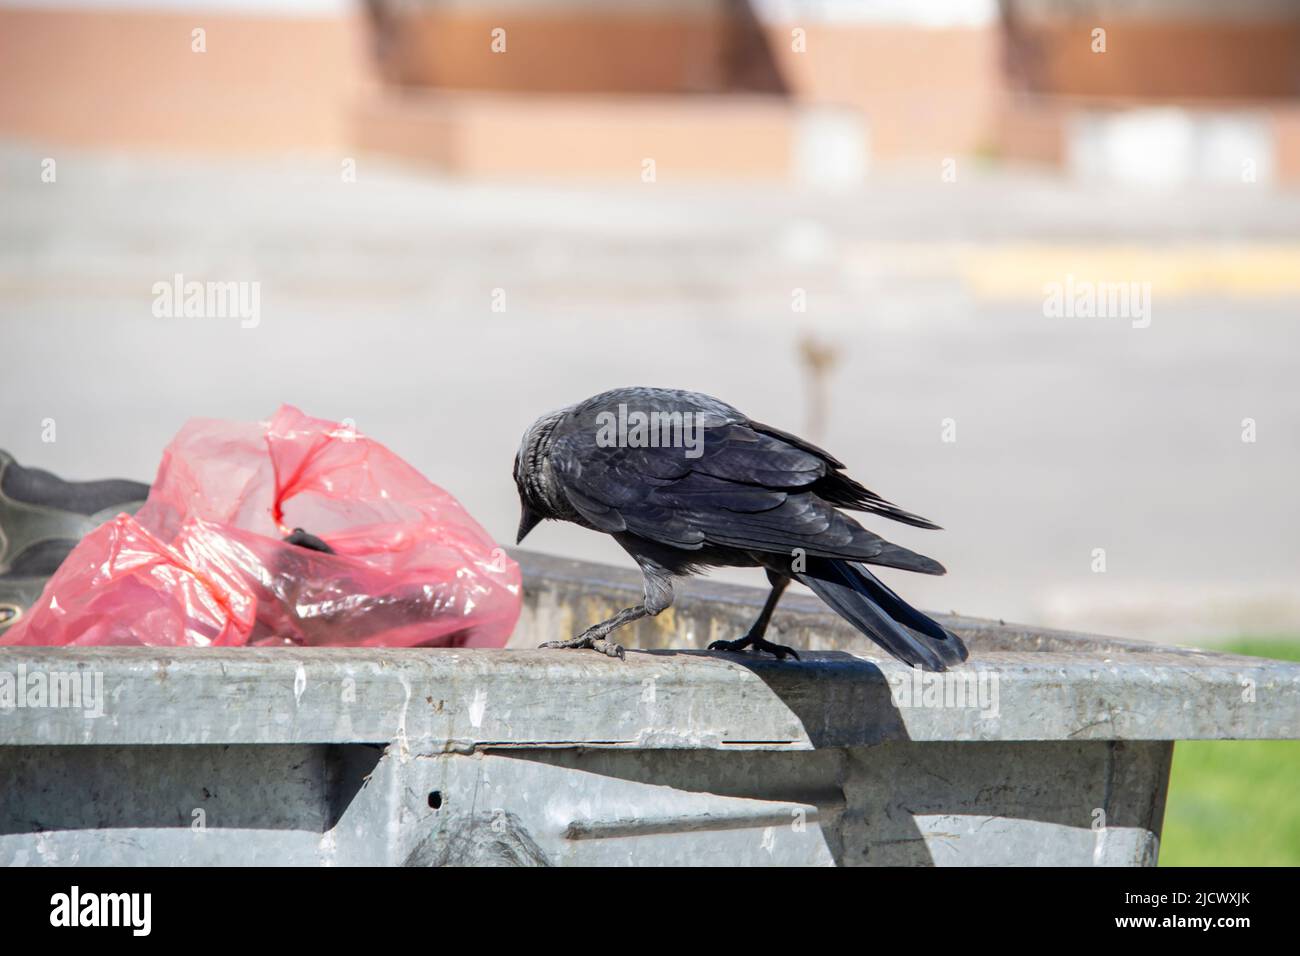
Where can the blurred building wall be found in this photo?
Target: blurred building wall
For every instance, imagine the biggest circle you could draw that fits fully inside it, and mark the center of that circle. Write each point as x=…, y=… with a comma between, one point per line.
x=710, y=87
x=1155, y=49
x=930, y=83
x=1143, y=90
x=561, y=46
x=282, y=74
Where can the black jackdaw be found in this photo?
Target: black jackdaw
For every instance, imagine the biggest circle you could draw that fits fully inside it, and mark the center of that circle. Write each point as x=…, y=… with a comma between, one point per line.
x=685, y=482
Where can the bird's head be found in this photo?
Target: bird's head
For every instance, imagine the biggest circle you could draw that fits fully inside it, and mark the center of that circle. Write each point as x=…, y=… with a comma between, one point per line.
x=531, y=477
x=528, y=518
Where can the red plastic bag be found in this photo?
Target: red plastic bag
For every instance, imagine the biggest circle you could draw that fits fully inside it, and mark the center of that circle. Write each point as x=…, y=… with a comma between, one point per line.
x=203, y=563
x=121, y=585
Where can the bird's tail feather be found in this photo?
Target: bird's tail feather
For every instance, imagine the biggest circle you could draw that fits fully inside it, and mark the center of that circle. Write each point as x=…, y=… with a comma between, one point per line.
x=860, y=598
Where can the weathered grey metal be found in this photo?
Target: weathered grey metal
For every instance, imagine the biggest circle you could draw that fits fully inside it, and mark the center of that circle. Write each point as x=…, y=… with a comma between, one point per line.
x=892, y=804
x=1045, y=748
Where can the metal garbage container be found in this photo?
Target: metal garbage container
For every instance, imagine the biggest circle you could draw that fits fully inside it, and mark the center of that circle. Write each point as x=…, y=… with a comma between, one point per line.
x=1046, y=748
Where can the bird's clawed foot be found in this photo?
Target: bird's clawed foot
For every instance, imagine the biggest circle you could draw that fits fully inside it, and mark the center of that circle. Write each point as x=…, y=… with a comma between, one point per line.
x=758, y=644
x=592, y=641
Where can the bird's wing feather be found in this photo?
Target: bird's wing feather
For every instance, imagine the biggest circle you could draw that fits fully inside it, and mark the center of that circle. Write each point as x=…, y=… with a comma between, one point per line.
x=746, y=489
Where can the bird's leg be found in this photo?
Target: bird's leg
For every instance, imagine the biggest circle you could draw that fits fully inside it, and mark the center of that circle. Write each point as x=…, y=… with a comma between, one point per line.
x=754, y=638
x=595, y=637
x=658, y=596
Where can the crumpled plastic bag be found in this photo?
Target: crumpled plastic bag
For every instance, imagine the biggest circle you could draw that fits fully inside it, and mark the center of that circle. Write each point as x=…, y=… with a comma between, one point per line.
x=203, y=563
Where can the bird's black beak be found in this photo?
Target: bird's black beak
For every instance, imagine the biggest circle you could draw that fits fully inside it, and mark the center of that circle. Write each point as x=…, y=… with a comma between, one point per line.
x=528, y=520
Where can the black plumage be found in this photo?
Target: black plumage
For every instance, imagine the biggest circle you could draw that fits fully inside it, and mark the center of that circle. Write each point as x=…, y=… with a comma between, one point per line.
x=704, y=486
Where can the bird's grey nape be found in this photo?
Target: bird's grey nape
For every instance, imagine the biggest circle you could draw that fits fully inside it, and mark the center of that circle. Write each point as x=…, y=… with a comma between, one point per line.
x=533, y=473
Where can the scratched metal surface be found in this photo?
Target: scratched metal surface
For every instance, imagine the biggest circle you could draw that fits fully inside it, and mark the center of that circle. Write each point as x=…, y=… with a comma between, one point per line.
x=458, y=700
x=1020, y=684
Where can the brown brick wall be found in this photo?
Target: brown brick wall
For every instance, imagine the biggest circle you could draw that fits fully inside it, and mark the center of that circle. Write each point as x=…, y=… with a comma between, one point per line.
x=1157, y=59
x=118, y=77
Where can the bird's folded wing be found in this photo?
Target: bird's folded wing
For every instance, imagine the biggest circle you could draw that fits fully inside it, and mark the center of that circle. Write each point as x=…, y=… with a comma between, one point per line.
x=744, y=490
